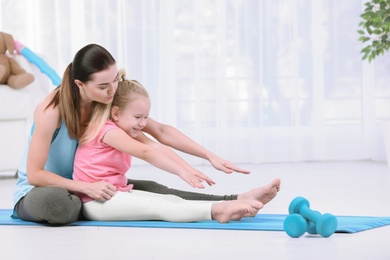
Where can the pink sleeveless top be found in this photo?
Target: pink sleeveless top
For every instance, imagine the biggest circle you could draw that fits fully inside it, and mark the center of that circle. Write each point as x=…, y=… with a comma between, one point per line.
x=97, y=161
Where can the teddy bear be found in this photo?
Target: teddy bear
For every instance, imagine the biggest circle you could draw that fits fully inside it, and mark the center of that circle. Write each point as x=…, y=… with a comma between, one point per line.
x=11, y=73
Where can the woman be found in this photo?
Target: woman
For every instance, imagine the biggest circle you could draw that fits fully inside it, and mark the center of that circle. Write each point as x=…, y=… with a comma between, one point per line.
x=45, y=189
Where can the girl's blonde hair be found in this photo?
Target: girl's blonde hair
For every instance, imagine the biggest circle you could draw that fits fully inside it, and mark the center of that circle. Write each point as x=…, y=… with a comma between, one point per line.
x=127, y=91
x=99, y=117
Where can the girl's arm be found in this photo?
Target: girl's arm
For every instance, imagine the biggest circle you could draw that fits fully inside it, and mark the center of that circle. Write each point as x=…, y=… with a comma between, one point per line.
x=172, y=137
x=167, y=151
x=121, y=141
x=46, y=122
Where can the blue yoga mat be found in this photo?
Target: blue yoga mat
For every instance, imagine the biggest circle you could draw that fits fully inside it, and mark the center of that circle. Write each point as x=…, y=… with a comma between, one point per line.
x=266, y=222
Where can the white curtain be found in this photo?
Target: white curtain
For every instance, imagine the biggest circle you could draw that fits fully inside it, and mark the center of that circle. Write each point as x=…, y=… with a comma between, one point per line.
x=252, y=80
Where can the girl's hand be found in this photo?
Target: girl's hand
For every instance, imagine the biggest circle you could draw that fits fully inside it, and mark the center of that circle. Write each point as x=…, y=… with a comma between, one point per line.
x=195, y=178
x=100, y=191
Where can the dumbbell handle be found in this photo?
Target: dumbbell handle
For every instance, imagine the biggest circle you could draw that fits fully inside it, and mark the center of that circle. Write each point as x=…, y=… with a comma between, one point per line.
x=309, y=213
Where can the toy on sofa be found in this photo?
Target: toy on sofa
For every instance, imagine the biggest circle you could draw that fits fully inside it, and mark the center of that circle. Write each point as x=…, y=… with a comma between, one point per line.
x=11, y=73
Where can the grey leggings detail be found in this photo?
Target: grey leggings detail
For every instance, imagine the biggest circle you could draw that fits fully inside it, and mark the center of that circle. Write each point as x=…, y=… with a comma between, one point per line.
x=51, y=205
x=155, y=187
x=57, y=206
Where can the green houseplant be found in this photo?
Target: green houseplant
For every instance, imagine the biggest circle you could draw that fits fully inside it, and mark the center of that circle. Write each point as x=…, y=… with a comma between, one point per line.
x=374, y=29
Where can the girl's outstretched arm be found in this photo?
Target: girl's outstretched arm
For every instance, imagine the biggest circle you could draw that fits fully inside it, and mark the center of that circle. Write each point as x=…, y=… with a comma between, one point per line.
x=169, y=152
x=172, y=137
x=121, y=141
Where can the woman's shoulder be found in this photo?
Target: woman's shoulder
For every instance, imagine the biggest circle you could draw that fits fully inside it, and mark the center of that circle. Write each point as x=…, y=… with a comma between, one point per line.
x=47, y=110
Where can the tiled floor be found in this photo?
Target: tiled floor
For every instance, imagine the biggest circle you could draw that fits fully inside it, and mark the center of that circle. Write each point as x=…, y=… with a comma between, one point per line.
x=340, y=188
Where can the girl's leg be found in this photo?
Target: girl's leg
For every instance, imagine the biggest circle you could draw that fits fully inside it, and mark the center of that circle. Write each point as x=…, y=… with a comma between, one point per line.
x=155, y=187
x=141, y=205
x=49, y=205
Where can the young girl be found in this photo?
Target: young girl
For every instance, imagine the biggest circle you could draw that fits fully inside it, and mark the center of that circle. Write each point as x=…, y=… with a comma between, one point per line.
x=108, y=157
x=45, y=190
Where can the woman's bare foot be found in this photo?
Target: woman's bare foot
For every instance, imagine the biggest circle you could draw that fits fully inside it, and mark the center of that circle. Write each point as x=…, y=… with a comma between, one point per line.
x=262, y=194
x=225, y=211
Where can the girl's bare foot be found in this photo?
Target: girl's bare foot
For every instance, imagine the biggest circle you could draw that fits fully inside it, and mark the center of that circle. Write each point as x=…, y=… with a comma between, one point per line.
x=262, y=194
x=225, y=211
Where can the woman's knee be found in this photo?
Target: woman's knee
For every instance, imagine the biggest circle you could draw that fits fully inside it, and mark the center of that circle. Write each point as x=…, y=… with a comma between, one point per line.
x=53, y=205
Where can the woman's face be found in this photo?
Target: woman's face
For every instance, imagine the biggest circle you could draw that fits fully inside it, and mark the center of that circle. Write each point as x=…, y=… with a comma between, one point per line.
x=102, y=86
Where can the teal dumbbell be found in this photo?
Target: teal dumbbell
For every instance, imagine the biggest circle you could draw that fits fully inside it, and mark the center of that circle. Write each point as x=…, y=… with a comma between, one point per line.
x=295, y=225
x=325, y=225
x=311, y=227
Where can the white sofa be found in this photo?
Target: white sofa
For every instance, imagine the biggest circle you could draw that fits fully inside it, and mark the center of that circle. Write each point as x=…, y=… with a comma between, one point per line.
x=16, y=116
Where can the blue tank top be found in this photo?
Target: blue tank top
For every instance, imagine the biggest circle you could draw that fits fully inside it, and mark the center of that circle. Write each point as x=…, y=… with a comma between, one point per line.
x=59, y=161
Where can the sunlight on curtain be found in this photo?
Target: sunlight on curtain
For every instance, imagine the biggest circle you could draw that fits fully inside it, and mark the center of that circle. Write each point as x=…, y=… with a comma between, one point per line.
x=252, y=80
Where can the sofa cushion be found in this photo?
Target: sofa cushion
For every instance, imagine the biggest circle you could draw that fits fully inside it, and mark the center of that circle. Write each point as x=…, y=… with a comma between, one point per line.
x=14, y=104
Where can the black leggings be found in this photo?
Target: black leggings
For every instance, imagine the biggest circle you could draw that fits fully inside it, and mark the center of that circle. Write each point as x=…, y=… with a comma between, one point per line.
x=57, y=206
x=155, y=187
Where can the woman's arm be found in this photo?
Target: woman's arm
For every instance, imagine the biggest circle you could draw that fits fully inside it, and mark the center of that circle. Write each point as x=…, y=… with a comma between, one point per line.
x=121, y=141
x=46, y=122
x=172, y=137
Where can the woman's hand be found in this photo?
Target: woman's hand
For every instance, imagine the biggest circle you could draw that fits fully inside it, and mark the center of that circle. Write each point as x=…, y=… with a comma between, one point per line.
x=226, y=166
x=100, y=191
